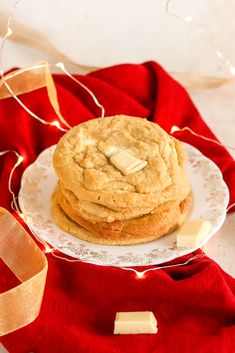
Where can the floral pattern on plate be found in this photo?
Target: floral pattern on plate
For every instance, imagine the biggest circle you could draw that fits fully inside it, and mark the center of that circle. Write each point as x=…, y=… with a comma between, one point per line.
x=210, y=199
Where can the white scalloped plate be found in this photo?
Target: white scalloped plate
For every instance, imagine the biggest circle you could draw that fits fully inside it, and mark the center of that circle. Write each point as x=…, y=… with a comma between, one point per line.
x=210, y=199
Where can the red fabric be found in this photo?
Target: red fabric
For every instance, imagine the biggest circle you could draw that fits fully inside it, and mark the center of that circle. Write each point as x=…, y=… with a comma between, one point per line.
x=194, y=304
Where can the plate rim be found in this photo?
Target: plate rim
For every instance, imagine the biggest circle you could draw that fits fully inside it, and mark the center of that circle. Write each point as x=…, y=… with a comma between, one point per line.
x=169, y=258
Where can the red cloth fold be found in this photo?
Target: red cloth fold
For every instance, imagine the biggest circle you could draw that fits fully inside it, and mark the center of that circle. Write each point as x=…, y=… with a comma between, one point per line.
x=194, y=304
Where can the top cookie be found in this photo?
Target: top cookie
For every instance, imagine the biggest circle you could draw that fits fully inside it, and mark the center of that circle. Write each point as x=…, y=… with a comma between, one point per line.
x=82, y=163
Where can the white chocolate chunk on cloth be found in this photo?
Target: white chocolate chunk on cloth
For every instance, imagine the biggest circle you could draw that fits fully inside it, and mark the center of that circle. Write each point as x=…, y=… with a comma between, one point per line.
x=135, y=322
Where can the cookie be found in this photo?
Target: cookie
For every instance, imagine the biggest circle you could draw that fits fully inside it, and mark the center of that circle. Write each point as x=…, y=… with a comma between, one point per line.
x=82, y=163
x=94, y=212
x=122, y=181
x=121, y=238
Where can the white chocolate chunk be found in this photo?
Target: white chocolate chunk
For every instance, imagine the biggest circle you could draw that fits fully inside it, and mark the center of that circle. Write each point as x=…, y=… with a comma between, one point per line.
x=135, y=322
x=111, y=150
x=192, y=232
x=86, y=141
x=127, y=163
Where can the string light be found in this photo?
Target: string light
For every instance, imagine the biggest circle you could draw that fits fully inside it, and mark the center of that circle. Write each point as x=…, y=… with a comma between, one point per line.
x=189, y=21
x=186, y=128
x=59, y=65
x=55, y=123
x=35, y=116
x=230, y=206
x=63, y=258
x=7, y=34
x=219, y=54
x=139, y=274
x=142, y=274
x=62, y=67
x=47, y=249
x=17, y=164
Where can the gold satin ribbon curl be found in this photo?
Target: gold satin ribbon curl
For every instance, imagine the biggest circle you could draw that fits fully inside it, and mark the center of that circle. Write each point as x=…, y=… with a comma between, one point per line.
x=20, y=305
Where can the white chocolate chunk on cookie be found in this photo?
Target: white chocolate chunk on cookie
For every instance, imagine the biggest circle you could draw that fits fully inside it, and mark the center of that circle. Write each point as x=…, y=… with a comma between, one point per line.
x=110, y=150
x=85, y=140
x=126, y=163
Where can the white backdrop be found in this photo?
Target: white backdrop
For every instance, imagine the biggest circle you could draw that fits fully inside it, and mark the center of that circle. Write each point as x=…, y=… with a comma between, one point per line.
x=105, y=32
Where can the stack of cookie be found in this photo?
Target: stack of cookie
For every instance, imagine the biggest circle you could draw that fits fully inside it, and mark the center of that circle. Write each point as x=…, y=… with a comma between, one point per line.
x=121, y=180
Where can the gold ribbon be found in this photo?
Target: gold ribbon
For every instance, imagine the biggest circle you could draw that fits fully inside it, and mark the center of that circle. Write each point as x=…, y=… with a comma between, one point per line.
x=30, y=79
x=24, y=80
x=39, y=75
x=20, y=305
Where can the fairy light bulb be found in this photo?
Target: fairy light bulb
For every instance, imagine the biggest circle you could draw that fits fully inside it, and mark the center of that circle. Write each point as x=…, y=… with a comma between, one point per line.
x=220, y=55
x=140, y=275
x=232, y=70
x=20, y=160
x=188, y=19
x=47, y=249
x=23, y=217
x=174, y=129
x=60, y=65
x=56, y=124
x=9, y=32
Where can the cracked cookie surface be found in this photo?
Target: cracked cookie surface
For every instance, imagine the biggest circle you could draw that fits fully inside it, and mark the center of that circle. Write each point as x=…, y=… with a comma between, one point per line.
x=82, y=163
